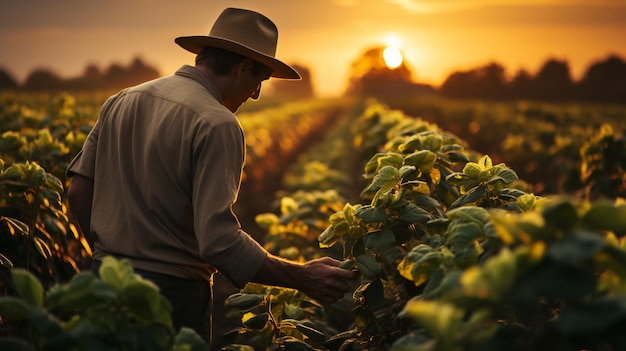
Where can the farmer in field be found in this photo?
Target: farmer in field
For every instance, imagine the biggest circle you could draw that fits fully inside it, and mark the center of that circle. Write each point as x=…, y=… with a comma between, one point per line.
x=157, y=176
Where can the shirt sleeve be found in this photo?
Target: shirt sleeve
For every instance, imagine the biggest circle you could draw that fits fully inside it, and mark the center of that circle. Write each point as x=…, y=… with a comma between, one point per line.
x=84, y=163
x=217, y=170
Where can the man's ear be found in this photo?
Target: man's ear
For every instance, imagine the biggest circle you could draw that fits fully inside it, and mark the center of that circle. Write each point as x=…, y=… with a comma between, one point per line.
x=243, y=66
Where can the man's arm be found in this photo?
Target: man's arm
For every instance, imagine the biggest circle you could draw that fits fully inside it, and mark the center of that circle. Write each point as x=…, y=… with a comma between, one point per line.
x=80, y=196
x=321, y=279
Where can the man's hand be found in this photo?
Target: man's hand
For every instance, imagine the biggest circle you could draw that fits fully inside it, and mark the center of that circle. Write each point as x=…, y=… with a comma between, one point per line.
x=321, y=279
x=325, y=281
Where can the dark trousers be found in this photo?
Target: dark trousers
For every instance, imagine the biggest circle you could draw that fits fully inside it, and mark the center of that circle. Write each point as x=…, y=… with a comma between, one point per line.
x=191, y=300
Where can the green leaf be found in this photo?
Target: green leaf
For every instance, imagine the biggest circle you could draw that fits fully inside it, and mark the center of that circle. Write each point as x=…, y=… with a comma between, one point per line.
x=553, y=280
x=116, y=273
x=383, y=198
x=369, y=214
x=472, y=170
x=406, y=171
x=373, y=292
x=413, y=143
x=423, y=159
x=28, y=287
x=458, y=179
x=485, y=162
x=562, y=215
x=593, y=318
x=328, y=237
x=472, y=196
x=266, y=220
x=576, y=247
x=244, y=301
x=392, y=159
x=508, y=175
x=335, y=341
x=364, y=320
x=143, y=299
x=604, y=216
x=288, y=205
x=188, y=340
x=315, y=335
x=432, y=142
x=372, y=165
x=257, y=322
x=457, y=156
x=413, y=214
x=347, y=264
x=387, y=178
x=440, y=318
x=79, y=293
x=13, y=308
x=418, y=265
x=379, y=240
x=368, y=266
x=442, y=281
x=49, y=328
x=526, y=202
x=470, y=214
x=463, y=234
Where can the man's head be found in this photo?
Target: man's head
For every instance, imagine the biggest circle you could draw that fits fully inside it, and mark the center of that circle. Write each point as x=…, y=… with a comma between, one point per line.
x=236, y=77
x=246, y=33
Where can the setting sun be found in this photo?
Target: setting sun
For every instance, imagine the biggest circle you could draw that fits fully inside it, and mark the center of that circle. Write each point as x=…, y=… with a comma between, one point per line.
x=393, y=57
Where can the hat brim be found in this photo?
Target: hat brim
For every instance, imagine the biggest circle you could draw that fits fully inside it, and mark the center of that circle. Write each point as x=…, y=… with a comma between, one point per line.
x=195, y=44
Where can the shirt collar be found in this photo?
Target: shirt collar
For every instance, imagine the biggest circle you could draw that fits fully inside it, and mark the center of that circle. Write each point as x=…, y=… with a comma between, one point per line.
x=195, y=74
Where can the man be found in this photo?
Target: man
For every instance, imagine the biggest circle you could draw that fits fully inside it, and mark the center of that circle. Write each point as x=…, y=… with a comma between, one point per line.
x=157, y=176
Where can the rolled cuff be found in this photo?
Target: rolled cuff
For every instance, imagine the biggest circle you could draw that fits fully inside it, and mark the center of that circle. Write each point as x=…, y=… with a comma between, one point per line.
x=241, y=261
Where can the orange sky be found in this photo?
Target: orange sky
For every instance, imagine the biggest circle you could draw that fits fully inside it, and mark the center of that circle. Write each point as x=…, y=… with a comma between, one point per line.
x=437, y=36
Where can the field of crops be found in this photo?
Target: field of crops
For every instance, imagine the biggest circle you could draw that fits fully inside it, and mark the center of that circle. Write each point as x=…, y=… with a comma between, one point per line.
x=473, y=225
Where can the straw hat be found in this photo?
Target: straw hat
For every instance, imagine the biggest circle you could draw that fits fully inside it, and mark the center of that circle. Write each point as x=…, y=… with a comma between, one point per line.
x=244, y=32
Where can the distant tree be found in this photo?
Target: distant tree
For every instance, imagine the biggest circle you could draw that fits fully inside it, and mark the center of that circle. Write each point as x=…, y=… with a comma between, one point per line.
x=91, y=79
x=294, y=89
x=139, y=72
x=553, y=82
x=42, y=79
x=118, y=76
x=487, y=82
x=7, y=82
x=371, y=76
x=115, y=77
x=604, y=81
x=521, y=86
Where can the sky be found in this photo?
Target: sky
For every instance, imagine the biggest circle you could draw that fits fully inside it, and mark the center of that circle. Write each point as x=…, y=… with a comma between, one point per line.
x=437, y=37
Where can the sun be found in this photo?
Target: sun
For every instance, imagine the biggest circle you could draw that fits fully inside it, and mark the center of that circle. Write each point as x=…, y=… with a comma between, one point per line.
x=391, y=54
x=393, y=57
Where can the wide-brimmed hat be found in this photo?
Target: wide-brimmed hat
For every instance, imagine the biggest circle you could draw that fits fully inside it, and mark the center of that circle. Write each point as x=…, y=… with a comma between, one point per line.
x=244, y=32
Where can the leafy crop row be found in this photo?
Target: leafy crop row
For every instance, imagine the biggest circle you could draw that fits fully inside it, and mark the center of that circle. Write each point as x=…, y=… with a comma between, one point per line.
x=454, y=254
x=453, y=250
x=542, y=142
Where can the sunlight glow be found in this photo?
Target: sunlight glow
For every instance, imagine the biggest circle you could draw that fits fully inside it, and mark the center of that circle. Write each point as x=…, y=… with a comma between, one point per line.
x=393, y=57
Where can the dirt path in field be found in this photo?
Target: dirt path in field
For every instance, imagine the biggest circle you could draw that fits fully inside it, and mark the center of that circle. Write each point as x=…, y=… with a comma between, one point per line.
x=257, y=196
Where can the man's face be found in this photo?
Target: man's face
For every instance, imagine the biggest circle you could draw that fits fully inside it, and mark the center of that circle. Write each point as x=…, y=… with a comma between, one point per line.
x=248, y=87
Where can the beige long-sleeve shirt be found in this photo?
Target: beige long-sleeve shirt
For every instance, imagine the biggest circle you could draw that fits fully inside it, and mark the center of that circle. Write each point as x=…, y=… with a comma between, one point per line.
x=166, y=159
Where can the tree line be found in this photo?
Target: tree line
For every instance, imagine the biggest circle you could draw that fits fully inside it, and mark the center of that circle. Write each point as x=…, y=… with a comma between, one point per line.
x=603, y=81
x=114, y=77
